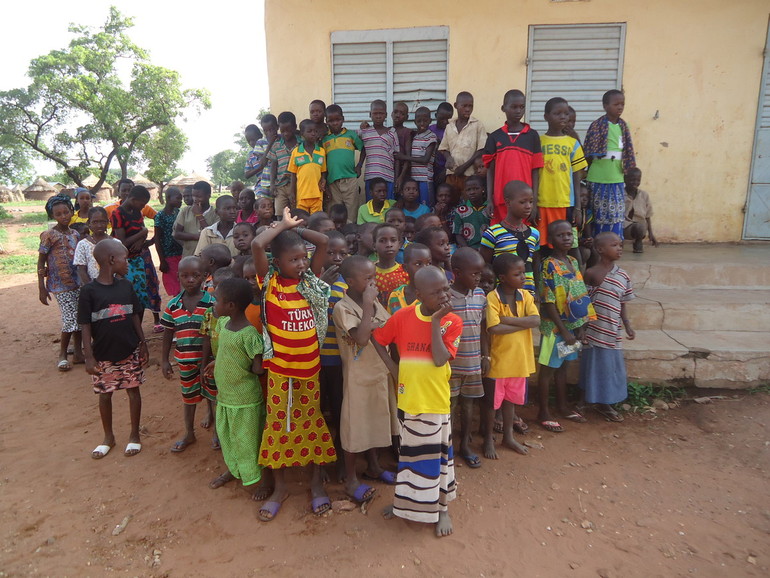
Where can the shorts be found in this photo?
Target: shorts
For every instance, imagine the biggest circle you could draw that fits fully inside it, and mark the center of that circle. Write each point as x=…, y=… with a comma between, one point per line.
x=193, y=388
x=466, y=385
x=549, y=215
x=115, y=375
x=311, y=205
x=511, y=389
x=68, y=304
x=549, y=354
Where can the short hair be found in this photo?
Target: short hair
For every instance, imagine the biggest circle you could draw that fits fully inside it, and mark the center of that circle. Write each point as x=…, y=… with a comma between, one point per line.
x=284, y=241
x=380, y=227
x=242, y=262
x=222, y=273
x=187, y=188
x=314, y=219
x=401, y=103
x=58, y=200
x=377, y=181
x=604, y=236
x=258, y=200
x=287, y=117
x=268, y=119
x=97, y=211
x=410, y=220
x=445, y=106
x=172, y=191
x=426, y=273
x=237, y=185
x=420, y=221
x=249, y=192
x=513, y=188
x=572, y=110
x=122, y=182
x=300, y=214
x=192, y=259
x=552, y=102
x=412, y=248
x=318, y=101
x=477, y=179
x=338, y=209
x=409, y=180
x=350, y=229
x=218, y=253
x=378, y=102
x=425, y=236
x=333, y=109
x=253, y=129
x=221, y=200
x=463, y=94
x=245, y=224
x=511, y=94
x=203, y=186
x=80, y=227
x=464, y=256
x=139, y=192
x=365, y=227
x=105, y=248
x=609, y=94
x=394, y=210
x=237, y=291
x=421, y=110
x=553, y=224
x=634, y=170
x=335, y=234
x=305, y=122
x=351, y=265
x=504, y=262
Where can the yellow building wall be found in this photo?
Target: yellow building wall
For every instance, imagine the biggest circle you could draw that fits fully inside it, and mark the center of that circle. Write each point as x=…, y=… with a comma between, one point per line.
x=691, y=75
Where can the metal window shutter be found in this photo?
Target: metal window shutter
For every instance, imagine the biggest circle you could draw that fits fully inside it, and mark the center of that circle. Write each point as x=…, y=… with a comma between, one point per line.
x=359, y=76
x=578, y=62
x=420, y=73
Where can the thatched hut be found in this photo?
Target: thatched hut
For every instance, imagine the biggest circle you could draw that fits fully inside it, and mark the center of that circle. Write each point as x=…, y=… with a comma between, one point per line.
x=105, y=191
x=189, y=180
x=154, y=189
x=40, y=190
x=6, y=194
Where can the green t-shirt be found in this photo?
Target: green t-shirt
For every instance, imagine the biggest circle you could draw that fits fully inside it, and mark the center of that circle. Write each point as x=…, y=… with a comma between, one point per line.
x=341, y=155
x=609, y=170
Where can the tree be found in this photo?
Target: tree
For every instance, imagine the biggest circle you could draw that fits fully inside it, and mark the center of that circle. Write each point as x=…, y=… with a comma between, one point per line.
x=162, y=151
x=225, y=167
x=15, y=164
x=79, y=111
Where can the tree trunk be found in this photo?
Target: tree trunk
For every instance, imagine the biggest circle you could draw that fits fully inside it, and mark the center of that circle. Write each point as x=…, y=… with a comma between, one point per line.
x=161, y=186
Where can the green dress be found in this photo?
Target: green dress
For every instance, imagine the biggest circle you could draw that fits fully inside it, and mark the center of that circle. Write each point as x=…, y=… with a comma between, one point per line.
x=240, y=405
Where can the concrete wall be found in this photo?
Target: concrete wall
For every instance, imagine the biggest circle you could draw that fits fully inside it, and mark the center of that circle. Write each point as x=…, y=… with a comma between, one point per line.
x=691, y=76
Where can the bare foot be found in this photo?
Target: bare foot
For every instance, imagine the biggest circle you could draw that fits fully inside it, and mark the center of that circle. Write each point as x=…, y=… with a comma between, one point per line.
x=206, y=422
x=221, y=480
x=444, y=525
x=262, y=491
x=511, y=443
x=489, y=449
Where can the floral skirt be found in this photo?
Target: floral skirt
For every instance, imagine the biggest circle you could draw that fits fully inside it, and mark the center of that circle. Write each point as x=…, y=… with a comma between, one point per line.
x=609, y=205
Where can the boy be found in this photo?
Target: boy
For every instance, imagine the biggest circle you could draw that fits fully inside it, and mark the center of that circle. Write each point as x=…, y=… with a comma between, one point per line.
x=468, y=303
x=399, y=116
x=426, y=336
x=341, y=146
x=411, y=202
x=182, y=319
x=220, y=232
x=307, y=169
x=193, y=219
x=279, y=155
x=416, y=256
x=638, y=213
x=262, y=169
x=511, y=153
x=463, y=142
x=317, y=113
x=380, y=144
x=109, y=314
x=214, y=257
x=470, y=218
x=422, y=151
x=374, y=211
x=339, y=215
x=444, y=112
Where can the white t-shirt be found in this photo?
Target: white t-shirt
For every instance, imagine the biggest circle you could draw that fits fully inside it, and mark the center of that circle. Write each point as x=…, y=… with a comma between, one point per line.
x=84, y=255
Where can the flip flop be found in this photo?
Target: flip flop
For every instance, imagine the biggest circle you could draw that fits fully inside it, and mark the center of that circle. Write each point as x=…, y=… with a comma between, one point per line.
x=473, y=461
x=359, y=495
x=552, y=426
x=101, y=450
x=317, y=505
x=158, y=328
x=384, y=476
x=63, y=365
x=221, y=480
x=181, y=446
x=271, y=508
x=576, y=416
x=132, y=449
x=520, y=426
x=611, y=415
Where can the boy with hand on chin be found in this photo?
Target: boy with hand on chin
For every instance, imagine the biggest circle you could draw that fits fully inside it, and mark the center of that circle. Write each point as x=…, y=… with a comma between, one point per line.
x=307, y=169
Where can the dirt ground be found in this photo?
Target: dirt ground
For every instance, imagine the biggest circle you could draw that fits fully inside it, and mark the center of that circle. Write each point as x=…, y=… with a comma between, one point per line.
x=681, y=493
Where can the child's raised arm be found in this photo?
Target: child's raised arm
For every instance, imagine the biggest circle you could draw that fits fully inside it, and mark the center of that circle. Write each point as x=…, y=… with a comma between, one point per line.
x=319, y=256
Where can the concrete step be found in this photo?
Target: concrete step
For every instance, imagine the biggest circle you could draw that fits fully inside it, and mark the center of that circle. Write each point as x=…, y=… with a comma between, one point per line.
x=701, y=309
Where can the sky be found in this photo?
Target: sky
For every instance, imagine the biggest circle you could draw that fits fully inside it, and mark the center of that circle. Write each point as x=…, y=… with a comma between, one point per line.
x=219, y=46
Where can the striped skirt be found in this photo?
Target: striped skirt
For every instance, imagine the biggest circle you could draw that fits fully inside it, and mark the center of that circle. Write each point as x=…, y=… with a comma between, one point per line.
x=426, y=473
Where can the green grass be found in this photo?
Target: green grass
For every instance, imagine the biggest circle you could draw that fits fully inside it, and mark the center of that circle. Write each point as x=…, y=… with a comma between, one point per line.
x=26, y=204
x=31, y=218
x=4, y=214
x=764, y=388
x=641, y=395
x=3, y=236
x=13, y=264
x=31, y=242
x=37, y=229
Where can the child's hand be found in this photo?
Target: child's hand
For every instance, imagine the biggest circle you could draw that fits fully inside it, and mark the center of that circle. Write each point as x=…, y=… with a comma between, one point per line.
x=630, y=333
x=144, y=354
x=445, y=310
x=570, y=338
x=485, y=364
x=653, y=240
x=329, y=276
x=208, y=371
x=364, y=125
x=322, y=185
x=290, y=222
x=370, y=294
x=168, y=373
x=358, y=171
x=91, y=365
x=45, y=296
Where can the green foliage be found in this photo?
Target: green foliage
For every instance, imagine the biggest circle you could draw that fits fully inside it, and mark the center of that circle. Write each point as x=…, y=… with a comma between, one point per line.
x=161, y=151
x=13, y=264
x=226, y=166
x=641, y=395
x=762, y=388
x=32, y=218
x=4, y=214
x=15, y=164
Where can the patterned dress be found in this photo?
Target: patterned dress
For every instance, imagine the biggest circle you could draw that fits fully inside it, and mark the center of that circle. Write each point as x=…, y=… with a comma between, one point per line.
x=62, y=279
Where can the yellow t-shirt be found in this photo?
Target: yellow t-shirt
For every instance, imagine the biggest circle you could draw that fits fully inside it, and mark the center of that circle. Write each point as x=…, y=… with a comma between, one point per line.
x=512, y=353
x=562, y=156
x=308, y=167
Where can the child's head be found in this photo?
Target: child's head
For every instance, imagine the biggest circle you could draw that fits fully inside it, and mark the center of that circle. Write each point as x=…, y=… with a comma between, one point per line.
x=289, y=254
x=400, y=114
x=571, y=119
x=416, y=256
x=358, y=272
x=214, y=257
x=300, y=214
x=111, y=256
x=378, y=188
x=83, y=200
x=556, y=114
x=235, y=189
x=137, y=198
x=633, y=179
x=432, y=289
x=437, y=240
x=287, y=125
x=488, y=279
x=246, y=200
x=614, y=101
x=387, y=241
x=513, y=106
x=395, y=218
x=464, y=105
x=365, y=238
x=410, y=191
x=201, y=192
x=444, y=194
x=243, y=235
x=187, y=196
x=351, y=237
x=519, y=199
x=474, y=190
x=317, y=111
x=269, y=125
x=467, y=266
x=320, y=222
x=334, y=118
x=265, y=209
x=60, y=209
x=510, y=269
x=585, y=195
x=221, y=274
x=608, y=245
x=98, y=221
x=124, y=187
x=422, y=118
x=252, y=134
x=249, y=272
x=227, y=209
x=560, y=235
x=444, y=113
x=80, y=228
x=378, y=111
x=410, y=228
x=233, y=297
x=336, y=249
x=191, y=272
x=339, y=214
x=308, y=130
x=426, y=221
x=174, y=198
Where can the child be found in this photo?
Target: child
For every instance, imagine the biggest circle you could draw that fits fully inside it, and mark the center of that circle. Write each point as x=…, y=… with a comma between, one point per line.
x=602, y=367
x=436, y=239
x=169, y=250
x=444, y=112
x=416, y=256
x=220, y=232
x=388, y=273
x=182, y=319
x=410, y=226
x=585, y=228
x=637, y=222
x=279, y=156
x=470, y=218
x=265, y=212
x=317, y=113
x=213, y=257
x=243, y=235
x=246, y=209
x=396, y=218
x=88, y=268
x=566, y=308
x=341, y=146
x=513, y=235
x=511, y=153
x=254, y=310
x=569, y=129
x=511, y=315
x=425, y=221
x=610, y=153
x=350, y=231
x=423, y=152
x=444, y=208
x=83, y=203
x=463, y=142
x=365, y=241
x=426, y=336
x=399, y=116
x=307, y=168
x=563, y=160
x=257, y=160
x=468, y=303
x=380, y=144
x=193, y=219
x=240, y=418
x=374, y=210
x=109, y=313
x=488, y=279
x=365, y=418
x=56, y=274
x=410, y=200
x=187, y=196
x=295, y=304
x=339, y=215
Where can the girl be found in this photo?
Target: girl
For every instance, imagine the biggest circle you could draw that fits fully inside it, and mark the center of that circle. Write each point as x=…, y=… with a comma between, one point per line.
x=511, y=316
x=169, y=250
x=410, y=200
x=416, y=256
x=88, y=268
x=395, y=217
x=265, y=212
x=56, y=274
x=83, y=203
x=610, y=151
x=247, y=212
x=243, y=235
x=602, y=368
x=437, y=241
x=389, y=274
x=295, y=304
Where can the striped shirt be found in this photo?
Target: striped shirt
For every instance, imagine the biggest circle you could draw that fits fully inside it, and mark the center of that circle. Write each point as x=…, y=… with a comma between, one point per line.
x=607, y=298
x=330, y=350
x=186, y=326
x=388, y=280
x=379, y=153
x=281, y=154
x=291, y=326
x=420, y=142
x=470, y=308
x=397, y=299
x=522, y=243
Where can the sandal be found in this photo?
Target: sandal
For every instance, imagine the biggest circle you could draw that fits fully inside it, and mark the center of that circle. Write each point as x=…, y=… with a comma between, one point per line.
x=551, y=426
x=271, y=508
x=363, y=494
x=321, y=505
x=520, y=426
x=181, y=446
x=132, y=449
x=158, y=328
x=101, y=450
x=384, y=476
x=609, y=414
x=576, y=416
x=63, y=365
x=472, y=460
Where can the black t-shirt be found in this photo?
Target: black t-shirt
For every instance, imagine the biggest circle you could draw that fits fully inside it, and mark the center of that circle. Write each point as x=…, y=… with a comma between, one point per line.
x=109, y=310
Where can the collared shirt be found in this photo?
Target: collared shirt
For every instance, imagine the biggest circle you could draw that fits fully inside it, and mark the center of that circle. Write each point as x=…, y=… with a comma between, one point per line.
x=470, y=222
x=280, y=154
x=309, y=167
x=341, y=154
x=189, y=222
x=464, y=144
x=367, y=214
x=211, y=236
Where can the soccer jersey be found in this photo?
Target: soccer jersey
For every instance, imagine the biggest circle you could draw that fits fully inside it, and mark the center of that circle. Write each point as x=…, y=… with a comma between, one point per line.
x=379, y=153
x=423, y=172
x=368, y=214
x=330, y=350
x=524, y=243
x=515, y=156
x=186, y=326
x=470, y=308
x=423, y=387
x=562, y=156
x=308, y=166
x=389, y=279
x=470, y=222
x=341, y=154
x=397, y=299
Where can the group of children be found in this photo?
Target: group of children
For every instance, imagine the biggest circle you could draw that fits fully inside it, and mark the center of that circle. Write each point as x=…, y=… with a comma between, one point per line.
x=314, y=339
